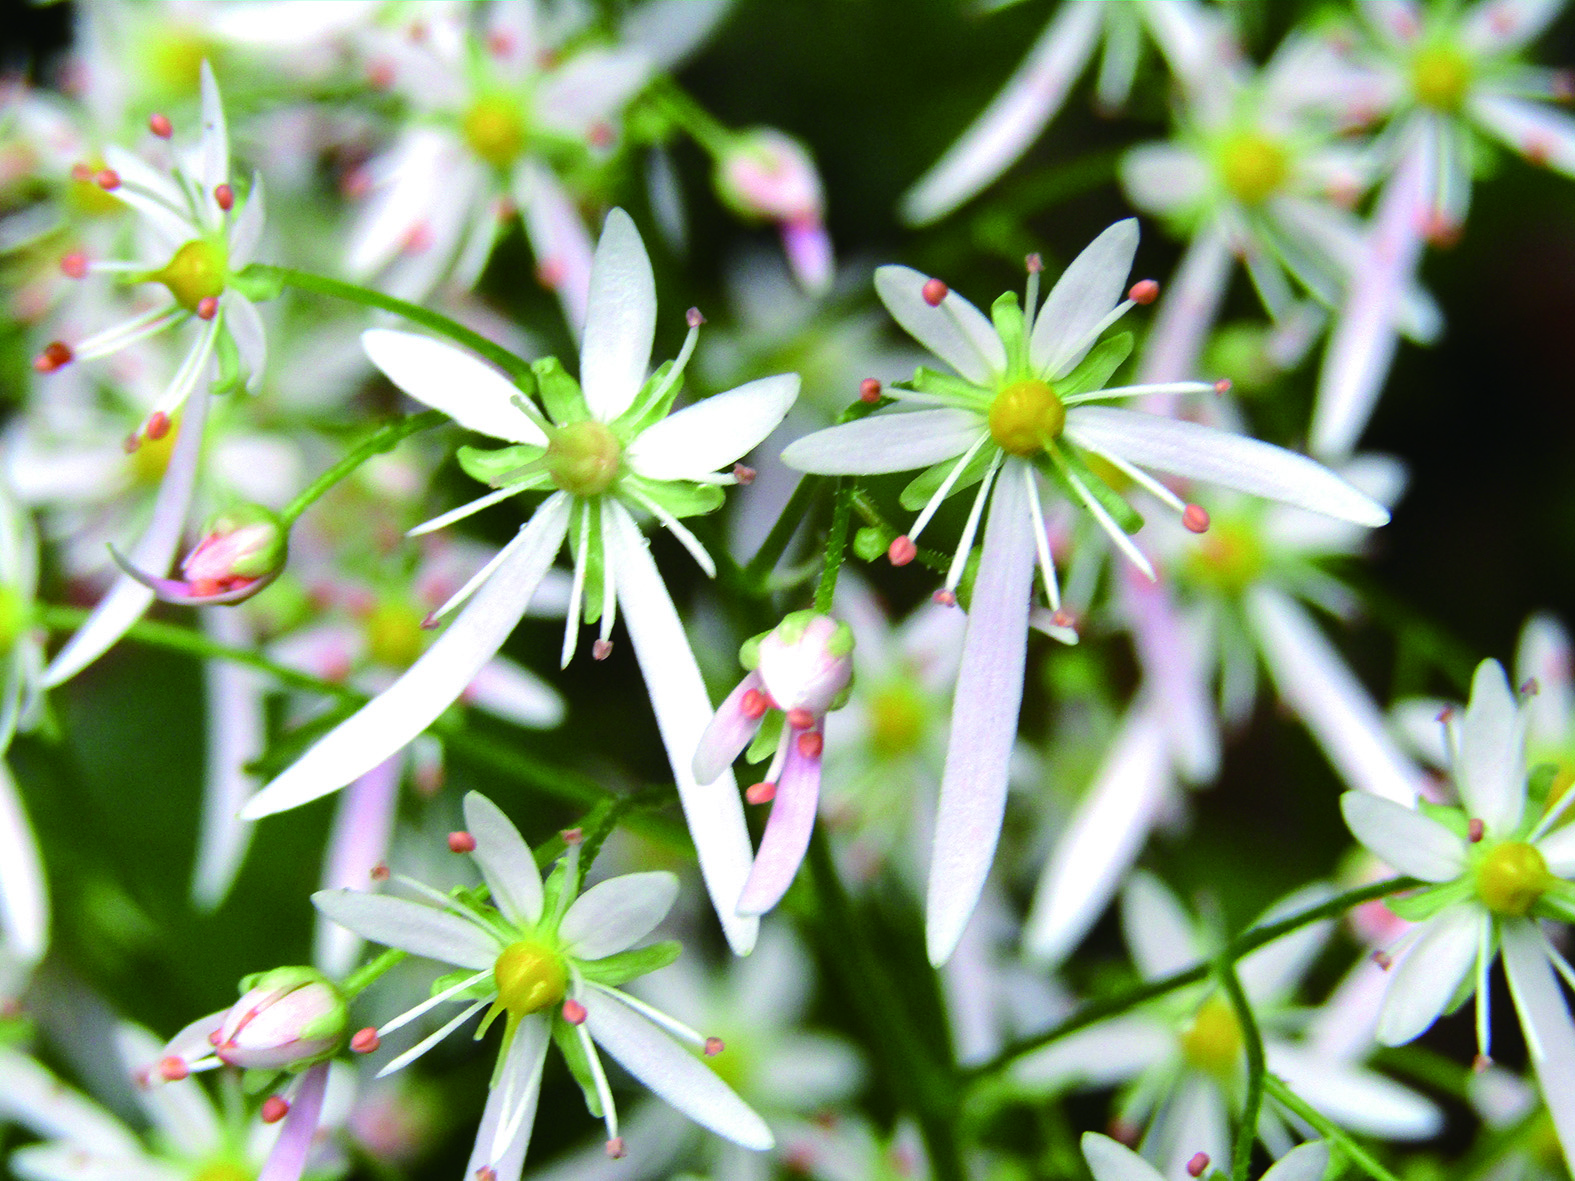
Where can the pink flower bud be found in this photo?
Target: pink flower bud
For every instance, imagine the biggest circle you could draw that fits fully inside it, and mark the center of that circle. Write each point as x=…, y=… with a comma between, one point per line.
x=768, y=175
x=289, y=1017
x=242, y=550
x=806, y=662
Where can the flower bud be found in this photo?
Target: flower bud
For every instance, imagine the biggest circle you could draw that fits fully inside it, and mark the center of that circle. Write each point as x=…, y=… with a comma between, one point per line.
x=243, y=549
x=287, y=1018
x=768, y=175
x=806, y=662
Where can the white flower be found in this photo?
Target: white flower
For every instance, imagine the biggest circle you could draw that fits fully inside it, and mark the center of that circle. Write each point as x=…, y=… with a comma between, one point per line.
x=549, y=963
x=1021, y=411
x=1110, y=1160
x=1498, y=863
x=608, y=448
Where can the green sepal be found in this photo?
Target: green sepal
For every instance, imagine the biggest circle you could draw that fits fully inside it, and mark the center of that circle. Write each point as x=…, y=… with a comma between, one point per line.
x=1558, y=902
x=1424, y=903
x=766, y=738
x=871, y=542
x=647, y=408
x=560, y=393
x=681, y=498
x=945, y=385
x=255, y=1082
x=595, y=567
x=616, y=970
x=231, y=378
x=478, y=991
x=1449, y=816
x=1539, y=783
x=1125, y=516
x=494, y=467
x=970, y=573
x=1094, y=370
x=749, y=651
x=1010, y=327
x=578, y=1062
x=923, y=486
x=257, y=283
x=552, y=891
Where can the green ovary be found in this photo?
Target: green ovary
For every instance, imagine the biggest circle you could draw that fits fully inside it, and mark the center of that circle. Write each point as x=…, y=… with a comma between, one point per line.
x=1511, y=877
x=197, y=272
x=1252, y=167
x=223, y=1170
x=1441, y=77
x=393, y=634
x=530, y=977
x=583, y=458
x=1025, y=416
x=494, y=127
x=1213, y=1042
x=897, y=717
x=1229, y=557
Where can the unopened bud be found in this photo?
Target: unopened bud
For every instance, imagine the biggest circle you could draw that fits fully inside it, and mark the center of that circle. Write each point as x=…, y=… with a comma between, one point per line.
x=243, y=549
x=806, y=662
x=769, y=176
x=290, y=1017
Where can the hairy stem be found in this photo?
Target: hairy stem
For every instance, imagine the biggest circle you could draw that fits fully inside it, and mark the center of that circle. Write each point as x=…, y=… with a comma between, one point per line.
x=382, y=439
x=1252, y=1037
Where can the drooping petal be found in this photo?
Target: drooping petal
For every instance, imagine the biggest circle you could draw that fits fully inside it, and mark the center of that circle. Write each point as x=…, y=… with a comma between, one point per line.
x=1361, y=1100
x=787, y=832
x=246, y=234
x=1083, y=296
x=505, y=861
x=984, y=721
x=1425, y=980
x=955, y=331
x=359, y=842
x=713, y=433
x=429, y=686
x=897, y=441
x=245, y=326
x=558, y=238
x=1491, y=772
x=620, y=320
x=287, y=1161
x=449, y=379
x=1110, y=1160
x=1403, y=837
x=671, y=1071
x=512, y=1096
x=1219, y=457
x=1545, y=1020
x=728, y=732
x=410, y=926
x=614, y=915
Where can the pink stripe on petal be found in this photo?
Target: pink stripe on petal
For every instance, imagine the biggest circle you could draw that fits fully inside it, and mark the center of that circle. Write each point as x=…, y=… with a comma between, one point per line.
x=363, y=829
x=787, y=833
x=728, y=734
x=808, y=249
x=287, y=1161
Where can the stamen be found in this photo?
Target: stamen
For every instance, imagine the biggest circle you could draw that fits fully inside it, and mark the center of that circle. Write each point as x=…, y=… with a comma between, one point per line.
x=81, y=172
x=573, y=1011
x=160, y=125
x=207, y=307
x=461, y=842
x=1222, y=386
x=1198, y=1165
x=571, y=618
x=714, y=1046
x=934, y=291
x=274, y=1109
x=364, y=1041
x=945, y=597
x=754, y=703
x=901, y=551
x=173, y=1069
x=761, y=793
x=1383, y=959
x=1530, y=687
x=601, y=649
x=74, y=265
x=1144, y=291
x=380, y=872
x=693, y=318
x=1480, y=1062
x=744, y=475
x=971, y=528
x=934, y=503
x=107, y=179
x=1035, y=265
x=800, y=719
x=869, y=390
x=810, y=745
x=615, y=1148
x=573, y=836
x=1475, y=830
x=158, y=425
x=56, y=353
x=1196, y=518
x=1042, y=540
x=486, y=1173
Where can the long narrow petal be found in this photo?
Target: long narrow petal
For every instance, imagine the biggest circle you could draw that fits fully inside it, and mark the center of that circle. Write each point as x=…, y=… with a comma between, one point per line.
x=246, y=234
x=215, y=161
x=1110, y=1160
x=1404, y=838
x=1083, y=296
x=1545, y=1018
x=527, y=1054
x=671, y=1071
x=1361, y=1100
x=33, y=1097
x=433, y=682
x=728, y=732
x=1169, y=650
x=898, y=441
x=984, y=721
x=505, y=861
x=558, y=238
x=1425, y=980
x=1544, y=135
x=1219, y=457
x=614, y=915
x=954, y=330
x=713, y=433
x=1157, y=929
x=1491, y=771
x=620, y=320
x=1188, y=307
x=1544, y=655
x=24, y=896
x=410, y=926
x=359, y=842
x=787, y=832
x=714, y=813
x=1501, y=26
x=449, y=379
x=181, y=1114
x=287, y=1161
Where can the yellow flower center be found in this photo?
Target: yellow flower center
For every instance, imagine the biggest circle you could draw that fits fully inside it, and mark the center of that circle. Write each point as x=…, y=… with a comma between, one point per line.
x=1252, y=167
x=1441, y=77
x=1213, y=1042
x=393, y=634
x=1229, y=557
x=583, y=458
x=530, y=977
x=196, y=273
x=896, y=719
x=494, y=127
x=1025, y=416
x=13, y=618
x=223, y=1170
x=1511, y=877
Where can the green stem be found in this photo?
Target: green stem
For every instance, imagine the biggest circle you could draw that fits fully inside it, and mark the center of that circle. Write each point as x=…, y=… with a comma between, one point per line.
x=673, y=101
x=1253, y=1039
x=836, y=546
x=382, y=439
x=775, y=545
x=1127, y=998
x=368, y=973
x=1327, y=1128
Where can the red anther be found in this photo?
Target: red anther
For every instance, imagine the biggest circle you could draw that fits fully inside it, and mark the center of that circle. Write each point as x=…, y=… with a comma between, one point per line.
x=461, y=842
x=1530, y=687
x=693, y=318
x=364, y=1041
x=160, y=126
x=107, y=179
x=744, y=475
x=1196, y=518
x=1475, y=829
x=1222, y=386
x=761, y=793
x=1562, y=87
x=754, y=703
x=429, y=621
x=934, y=291
x=380, y=75
x=274, y=1109
x=600, y=134
x=1144, y=291
x=1034, y=263
x=1383, y=959
x=213, y=1038
x=131, y=443
x=1441, y=231
x=945, y=598
x=573, y=1011
x=800, y=719
x=500, y=43
x=486, y=1173
x=901, y=551
x=1446, y=715
x=810, y=744
x=381, y=872
x=1125, y=1133
x=56, y=353
x=714, y=1046
x=1064, y=618
x=207, y=307
x=869, y=390
x=1537, y=152
x=601, y=649
x=417, y=238
x=573, y=836
x=74, y=265
x=799, y=1158
x=550, y=273
x=173, y=1069
x=503, y=209
x=224, y=197
x=1198, y=1165
x=158, y=425
x=615, y=1148
x=1480, y=1062
x=82, y=172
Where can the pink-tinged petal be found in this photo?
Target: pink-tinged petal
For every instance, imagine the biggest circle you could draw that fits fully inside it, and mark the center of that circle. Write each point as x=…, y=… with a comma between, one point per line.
x=1158, y=931
x=894, y=441
x=1090, y=287
x=1404, y=838
x=155, y=550
x=505, y=690
x=1218, y=457
x=505, y=861
x=359, y=842
x=187, y=594
x=412, y=177
x=1110, y=1160
x=34, y=1098
x=786, y=838
x=714, y=813
x=428, y=687
x=558, y=238
x=807, y=246
x=954, y=330
x=1315, y=682
x=672, y=1072
x=410, y=926
x=614, y=915
x=728, y=733
x=1397, y=21
x=1423, y=982
x=1190, y=35
x=1165, y=178
x=449, y=379
x=139, y=184
x=1171, y=666
x=620, y=320
x=1545, y=1020
x=1503, y=26
x=24, y=896
x=984, y=721
x=1491, y=771
x=714, y=432
x=1544, y=656
x=512, y=1099
x=1188, y=306
x=1198, y=1123
x=237, y=732
x=1103, y=838
x=1028, y=101
x=590, y=88
x=182, y=1114
x=287, y=1161
x=1359, y=1100
x=670, y=30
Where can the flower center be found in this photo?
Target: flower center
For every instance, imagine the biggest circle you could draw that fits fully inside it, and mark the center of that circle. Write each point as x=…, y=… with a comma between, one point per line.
x=1252, y=167
x=896, y=719
x=583, y=458
x=494, y=127
x=1441, y=77
x=196, y=273
x=1025, y=416
x=174, y=58
x=530, y=977
x=1229, y=557
x=223, y=1170
x=393, y=634
x=1213, y=1041
x=1511, y=877
x=13, y=618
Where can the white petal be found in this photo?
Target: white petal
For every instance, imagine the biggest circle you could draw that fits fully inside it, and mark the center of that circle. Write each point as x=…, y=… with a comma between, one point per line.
x=984, y=721
x=505, y=690
x=1305, y=1162
x=1219, y=457
x=246, y=233
x=671, y=1071
x=620, y=320
x=1157, y=929
x=713, y=433
x=449, y=379
x=614, y=915
x=1083, y=296
x=246, y=329
x=428, y=687
x=1103, y=1055
x=1164, y=177
x=237, y=733
x=24, y=897
x=519, y=1080
x=1491, y=773
x=590, y=88
x=1545, y=1019
x=1271, y=974
x=182, y=1114
x=40, y=1102
x=1110, y=1160
x=1424, y=981
x=1544, y=655
x=558, y=238
x=1501, y=26
x=955, y=331
x=1361, y=1100
x=1558, y=849
x=62, y=1161
x=1533, y=130
x=894, y=441
x=215, y=169
x=505, y=860
x=410, y=926
x=1404, y=838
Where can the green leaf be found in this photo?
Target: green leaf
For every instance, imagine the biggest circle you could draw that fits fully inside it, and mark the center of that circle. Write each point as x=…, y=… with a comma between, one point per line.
x=495, y=467
x=1009, y=326
x=923, y=486
x=579, y=1063
x=614, y=970
x=1093, y=372
x=1127, y=517
x=766, y=738
x=560, y=393
x=681, y=498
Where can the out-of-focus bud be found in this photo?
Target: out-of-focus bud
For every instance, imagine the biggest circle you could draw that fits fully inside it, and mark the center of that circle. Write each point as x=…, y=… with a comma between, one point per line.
x=766, y=175
x=806, y=662
x=286, y=1018
x=242, y=550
